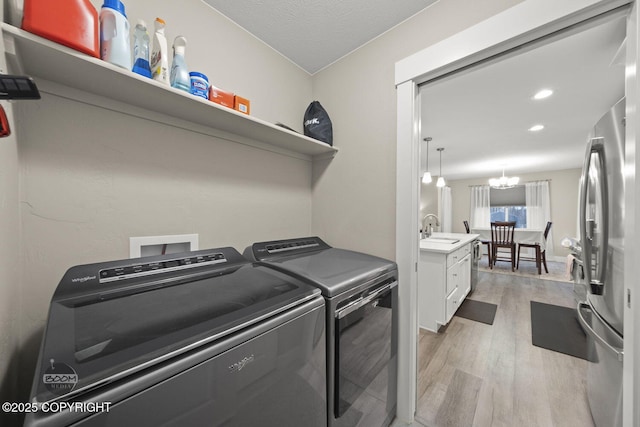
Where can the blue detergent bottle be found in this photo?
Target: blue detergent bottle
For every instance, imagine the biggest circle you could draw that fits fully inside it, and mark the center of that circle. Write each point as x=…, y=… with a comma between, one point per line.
x=141, y=49
x=180, y=78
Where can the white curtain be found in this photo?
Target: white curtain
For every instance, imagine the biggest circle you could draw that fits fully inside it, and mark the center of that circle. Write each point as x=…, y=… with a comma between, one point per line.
x=480, y=207
x=539, y=209
x=445, y=214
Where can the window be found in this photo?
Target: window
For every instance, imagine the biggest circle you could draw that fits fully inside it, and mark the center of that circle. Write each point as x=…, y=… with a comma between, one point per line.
x=509, y=205
x=510, y=213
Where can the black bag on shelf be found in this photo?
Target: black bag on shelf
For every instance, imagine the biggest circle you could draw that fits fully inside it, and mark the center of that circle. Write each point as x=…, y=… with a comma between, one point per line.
x=317, y=123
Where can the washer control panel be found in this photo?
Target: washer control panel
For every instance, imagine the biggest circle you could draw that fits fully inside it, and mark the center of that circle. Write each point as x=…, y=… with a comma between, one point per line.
x=151, y=268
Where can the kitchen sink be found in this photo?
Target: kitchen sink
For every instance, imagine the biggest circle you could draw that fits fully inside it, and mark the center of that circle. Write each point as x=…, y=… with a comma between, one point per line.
x=441, y=240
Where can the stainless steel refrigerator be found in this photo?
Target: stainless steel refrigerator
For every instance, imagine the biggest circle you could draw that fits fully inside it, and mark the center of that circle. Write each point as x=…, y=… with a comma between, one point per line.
x=601, y=252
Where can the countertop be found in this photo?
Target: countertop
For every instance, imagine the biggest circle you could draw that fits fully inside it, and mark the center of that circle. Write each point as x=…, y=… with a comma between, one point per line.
x=445, y=248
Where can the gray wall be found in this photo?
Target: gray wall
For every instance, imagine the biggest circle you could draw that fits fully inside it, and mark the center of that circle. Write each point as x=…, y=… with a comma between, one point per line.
x=9, y=256
x=82, y=179
x=78, y=180
x=231, y=58
x=354, y=197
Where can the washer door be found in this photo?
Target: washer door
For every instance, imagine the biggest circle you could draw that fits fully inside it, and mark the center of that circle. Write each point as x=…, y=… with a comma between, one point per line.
x=366, y=355
x=271, y=374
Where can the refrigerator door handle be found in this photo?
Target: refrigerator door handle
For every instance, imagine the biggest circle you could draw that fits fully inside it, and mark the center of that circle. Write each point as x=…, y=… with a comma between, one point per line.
x=587, y=227
x=618, y=352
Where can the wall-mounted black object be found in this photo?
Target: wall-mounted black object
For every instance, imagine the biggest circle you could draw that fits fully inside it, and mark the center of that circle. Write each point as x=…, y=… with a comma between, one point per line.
x=18, y=87
x=15, y=87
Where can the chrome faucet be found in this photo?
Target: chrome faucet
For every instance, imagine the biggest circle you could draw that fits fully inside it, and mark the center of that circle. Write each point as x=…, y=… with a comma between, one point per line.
x=427, y=228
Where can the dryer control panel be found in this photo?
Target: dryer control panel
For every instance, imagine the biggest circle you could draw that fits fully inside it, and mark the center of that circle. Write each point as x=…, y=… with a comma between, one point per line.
x=264, y=250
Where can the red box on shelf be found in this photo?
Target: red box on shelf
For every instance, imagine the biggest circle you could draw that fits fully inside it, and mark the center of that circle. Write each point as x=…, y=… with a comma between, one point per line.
x=221, y=97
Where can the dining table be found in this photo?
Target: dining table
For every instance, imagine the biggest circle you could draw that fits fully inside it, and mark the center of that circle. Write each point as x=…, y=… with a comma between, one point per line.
x=520, y=235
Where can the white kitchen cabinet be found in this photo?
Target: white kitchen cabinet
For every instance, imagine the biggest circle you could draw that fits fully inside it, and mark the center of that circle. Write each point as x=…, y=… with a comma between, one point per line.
x=444, y=281
x=458, y=284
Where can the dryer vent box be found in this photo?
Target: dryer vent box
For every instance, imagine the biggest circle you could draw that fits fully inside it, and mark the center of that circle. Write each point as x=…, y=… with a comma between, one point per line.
x=161, y=245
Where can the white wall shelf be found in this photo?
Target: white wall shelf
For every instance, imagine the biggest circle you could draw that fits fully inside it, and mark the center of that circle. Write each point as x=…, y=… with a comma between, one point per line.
x=65, y=67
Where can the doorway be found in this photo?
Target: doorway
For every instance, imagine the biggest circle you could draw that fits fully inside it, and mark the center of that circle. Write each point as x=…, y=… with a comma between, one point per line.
x=470, y=373
x=488, y=39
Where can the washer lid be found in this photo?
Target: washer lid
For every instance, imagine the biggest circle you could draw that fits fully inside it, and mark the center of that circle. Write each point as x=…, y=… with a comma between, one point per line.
x=109, y=320
x=332, y=270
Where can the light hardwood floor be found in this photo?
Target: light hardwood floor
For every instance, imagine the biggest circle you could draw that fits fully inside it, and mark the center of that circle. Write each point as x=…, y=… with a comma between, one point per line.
x=473, y=374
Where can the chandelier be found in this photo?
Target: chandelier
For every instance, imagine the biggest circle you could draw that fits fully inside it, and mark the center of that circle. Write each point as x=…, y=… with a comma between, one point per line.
x=504, y=182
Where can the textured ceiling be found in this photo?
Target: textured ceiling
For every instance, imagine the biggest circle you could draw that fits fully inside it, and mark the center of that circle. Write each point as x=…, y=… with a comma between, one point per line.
x=315, y=33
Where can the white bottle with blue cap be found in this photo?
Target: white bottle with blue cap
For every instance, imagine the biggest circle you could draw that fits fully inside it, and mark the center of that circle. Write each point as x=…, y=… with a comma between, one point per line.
x=114, y=34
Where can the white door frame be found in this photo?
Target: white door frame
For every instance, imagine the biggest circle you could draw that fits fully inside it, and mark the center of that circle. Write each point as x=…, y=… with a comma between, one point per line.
x=520, y=24
x=631, y=366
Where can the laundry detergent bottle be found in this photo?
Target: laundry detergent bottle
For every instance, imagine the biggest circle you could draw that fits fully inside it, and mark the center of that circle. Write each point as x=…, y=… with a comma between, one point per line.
x=141, y=50
x=180, y=78
x=73, y=23
x=114, y=34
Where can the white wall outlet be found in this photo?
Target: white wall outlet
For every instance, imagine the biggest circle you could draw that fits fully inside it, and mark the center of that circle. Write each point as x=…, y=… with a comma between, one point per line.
x=160, y=245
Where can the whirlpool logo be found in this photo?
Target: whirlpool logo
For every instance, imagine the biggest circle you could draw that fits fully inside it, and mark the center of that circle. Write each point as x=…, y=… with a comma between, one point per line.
x=83, y=279
x=238, y=366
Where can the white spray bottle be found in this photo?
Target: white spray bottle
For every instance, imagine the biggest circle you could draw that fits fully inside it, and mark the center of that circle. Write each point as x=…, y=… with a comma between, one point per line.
x=179, y=76
x=159, y=56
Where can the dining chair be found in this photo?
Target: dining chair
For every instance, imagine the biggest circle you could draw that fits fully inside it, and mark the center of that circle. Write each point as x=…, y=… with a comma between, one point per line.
x=541, y=254
x=484, y=242
x=502, y=237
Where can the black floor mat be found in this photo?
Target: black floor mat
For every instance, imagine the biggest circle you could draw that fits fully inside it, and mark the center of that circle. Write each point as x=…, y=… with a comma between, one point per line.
x=557, y=328
x=476, y=310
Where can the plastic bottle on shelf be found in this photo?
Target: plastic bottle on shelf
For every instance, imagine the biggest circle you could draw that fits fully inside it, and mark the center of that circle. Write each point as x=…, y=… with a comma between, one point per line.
x=141, y=49
x=159, y=59
x=73, y=23
x=180, y=78
x=114, y=34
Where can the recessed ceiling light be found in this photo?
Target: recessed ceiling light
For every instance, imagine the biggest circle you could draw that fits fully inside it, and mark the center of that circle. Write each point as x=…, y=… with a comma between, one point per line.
x=536, y=128
x=544, y=93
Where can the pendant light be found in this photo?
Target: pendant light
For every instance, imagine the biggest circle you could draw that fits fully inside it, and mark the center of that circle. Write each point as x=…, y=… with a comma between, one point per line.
x=426, y=177
x=440, y=182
